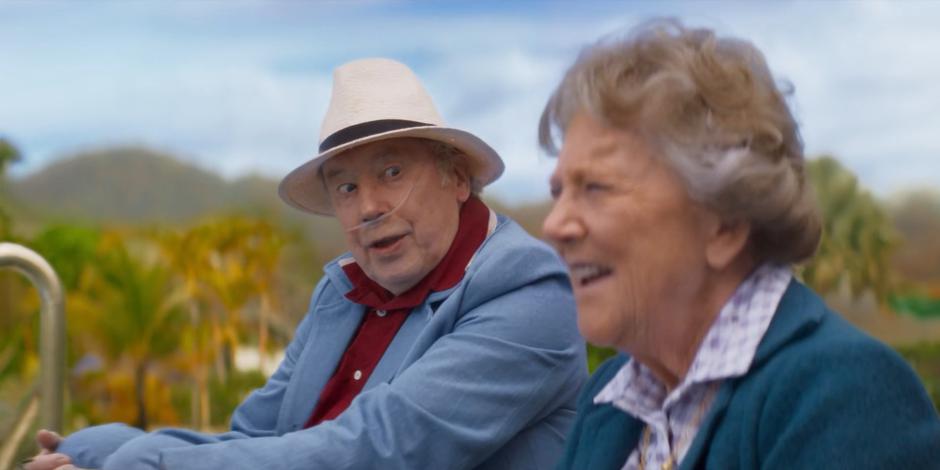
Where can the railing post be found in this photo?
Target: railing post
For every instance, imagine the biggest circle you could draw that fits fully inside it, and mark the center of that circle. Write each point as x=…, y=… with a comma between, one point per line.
x=51, y=329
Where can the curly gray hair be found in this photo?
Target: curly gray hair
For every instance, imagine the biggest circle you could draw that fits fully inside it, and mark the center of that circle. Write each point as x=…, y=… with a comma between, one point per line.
x=712, y=109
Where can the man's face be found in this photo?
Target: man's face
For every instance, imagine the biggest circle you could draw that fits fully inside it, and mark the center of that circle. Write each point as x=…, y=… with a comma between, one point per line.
x=396, y=185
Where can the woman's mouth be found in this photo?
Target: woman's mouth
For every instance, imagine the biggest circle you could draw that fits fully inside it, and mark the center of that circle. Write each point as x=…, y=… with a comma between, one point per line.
x=584, y=274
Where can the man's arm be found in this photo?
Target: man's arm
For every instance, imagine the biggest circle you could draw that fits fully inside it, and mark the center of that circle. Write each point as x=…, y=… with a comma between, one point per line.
x=507, y=363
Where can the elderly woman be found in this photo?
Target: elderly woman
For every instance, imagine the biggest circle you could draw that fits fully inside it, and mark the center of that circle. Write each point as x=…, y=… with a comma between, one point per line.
x=680, y=203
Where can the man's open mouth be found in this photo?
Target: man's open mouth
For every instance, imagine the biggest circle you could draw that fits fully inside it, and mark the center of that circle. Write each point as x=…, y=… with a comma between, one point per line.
x=385, y=242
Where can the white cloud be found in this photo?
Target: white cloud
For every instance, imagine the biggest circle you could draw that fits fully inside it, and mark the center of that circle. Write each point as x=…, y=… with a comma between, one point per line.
x=243, y=88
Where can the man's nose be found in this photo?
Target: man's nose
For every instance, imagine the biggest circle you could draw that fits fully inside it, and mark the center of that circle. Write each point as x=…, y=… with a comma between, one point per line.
x=373, y=203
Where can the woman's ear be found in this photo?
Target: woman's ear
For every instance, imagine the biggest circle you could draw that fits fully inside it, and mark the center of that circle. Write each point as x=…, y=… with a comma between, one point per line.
x=726, y=241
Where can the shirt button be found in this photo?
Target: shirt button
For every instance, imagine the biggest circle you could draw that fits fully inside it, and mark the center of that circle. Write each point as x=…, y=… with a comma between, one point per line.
x=357, y=375
x=380, y=313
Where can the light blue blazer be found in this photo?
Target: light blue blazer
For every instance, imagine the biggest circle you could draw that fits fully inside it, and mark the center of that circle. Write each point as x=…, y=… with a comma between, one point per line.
x=484, y=375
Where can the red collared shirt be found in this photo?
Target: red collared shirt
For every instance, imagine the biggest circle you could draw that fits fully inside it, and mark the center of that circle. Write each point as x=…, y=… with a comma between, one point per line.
x=386, y=312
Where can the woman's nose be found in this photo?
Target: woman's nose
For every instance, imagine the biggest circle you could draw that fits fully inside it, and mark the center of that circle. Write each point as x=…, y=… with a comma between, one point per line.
x=561, y=225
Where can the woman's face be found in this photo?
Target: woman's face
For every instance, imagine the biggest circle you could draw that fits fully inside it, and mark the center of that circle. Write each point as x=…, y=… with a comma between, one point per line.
x=633, y=240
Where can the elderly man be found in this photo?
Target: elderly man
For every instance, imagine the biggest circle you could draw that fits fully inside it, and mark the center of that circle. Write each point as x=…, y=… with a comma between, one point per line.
x=445, y=338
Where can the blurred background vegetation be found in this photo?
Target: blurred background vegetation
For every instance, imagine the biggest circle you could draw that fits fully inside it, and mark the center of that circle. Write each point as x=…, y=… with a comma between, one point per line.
x=184, y=287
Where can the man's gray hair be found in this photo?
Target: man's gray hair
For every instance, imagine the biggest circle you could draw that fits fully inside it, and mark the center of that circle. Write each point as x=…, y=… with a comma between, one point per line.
x=452, y=161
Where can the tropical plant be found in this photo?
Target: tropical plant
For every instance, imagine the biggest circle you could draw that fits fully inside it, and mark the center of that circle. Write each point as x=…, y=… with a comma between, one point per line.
x=858, y=237
x=224, y=264
x=132, y=318
x=187, y=255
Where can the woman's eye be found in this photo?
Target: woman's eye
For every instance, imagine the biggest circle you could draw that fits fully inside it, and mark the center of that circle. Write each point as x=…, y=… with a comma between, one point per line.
x=392, y=171
x=346, y=188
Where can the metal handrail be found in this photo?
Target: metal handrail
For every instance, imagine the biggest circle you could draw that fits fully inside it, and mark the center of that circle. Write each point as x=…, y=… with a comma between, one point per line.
x=51, y=329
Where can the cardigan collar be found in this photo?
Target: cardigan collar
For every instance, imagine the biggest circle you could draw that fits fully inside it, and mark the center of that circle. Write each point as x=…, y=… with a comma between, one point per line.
x=799, y=311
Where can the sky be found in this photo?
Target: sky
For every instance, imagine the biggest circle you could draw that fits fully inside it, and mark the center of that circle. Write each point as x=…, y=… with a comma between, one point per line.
x=241, y=87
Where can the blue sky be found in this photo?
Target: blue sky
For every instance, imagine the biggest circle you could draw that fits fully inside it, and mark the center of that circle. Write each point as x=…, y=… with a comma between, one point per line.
x=240, y=87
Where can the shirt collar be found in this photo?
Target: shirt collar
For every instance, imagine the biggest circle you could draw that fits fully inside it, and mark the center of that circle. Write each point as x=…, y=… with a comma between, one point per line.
x=473, y=228
x=729, y=346
x=726, y=351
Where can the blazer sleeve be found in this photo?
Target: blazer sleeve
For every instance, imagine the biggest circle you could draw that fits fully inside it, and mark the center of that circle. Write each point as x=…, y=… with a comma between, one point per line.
x=507, y=363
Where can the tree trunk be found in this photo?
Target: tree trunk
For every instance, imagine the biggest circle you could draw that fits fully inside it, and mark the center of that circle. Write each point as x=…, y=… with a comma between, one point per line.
x=140, y=393
x=263, y=327
x=205, y=415
x=195, y=413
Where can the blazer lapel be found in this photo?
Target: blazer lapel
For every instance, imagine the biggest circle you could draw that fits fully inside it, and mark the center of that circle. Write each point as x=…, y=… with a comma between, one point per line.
x=401, y=344
x=333, y=327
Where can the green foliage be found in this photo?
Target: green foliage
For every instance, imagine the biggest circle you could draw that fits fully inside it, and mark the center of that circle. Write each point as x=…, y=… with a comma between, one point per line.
x=9, y=154
x=70, y=249
x=597, y=355
x=18, y=327
x=858, y=238
x=917, y=305
x=925, y=359
x=135, y=309
x=6, y=225
x=226, y=395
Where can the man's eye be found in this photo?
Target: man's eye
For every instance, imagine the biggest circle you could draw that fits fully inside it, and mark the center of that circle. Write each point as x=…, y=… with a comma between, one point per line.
x=555, y=191
x=593, y=187
x=392, y=171
x=346, y=188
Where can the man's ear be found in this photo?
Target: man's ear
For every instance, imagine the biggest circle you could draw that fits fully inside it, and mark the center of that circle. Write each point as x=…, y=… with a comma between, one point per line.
x=726, y=241
x=462, y=182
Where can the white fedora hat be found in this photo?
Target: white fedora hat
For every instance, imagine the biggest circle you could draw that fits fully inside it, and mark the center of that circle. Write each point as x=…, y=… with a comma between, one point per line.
x=375, y=99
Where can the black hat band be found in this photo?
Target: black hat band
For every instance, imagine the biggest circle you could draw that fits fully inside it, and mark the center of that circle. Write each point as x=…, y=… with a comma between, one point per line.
x=365, y=129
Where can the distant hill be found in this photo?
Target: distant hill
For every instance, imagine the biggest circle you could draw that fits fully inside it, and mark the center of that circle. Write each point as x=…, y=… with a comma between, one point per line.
x=132, y=185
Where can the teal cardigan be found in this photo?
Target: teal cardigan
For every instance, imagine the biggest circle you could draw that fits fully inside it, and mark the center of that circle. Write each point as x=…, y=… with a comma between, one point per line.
x=820, y=394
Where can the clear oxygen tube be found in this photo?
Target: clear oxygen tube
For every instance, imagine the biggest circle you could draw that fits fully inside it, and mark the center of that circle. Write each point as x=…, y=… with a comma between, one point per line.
x=378, y=220
x=394, y=190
